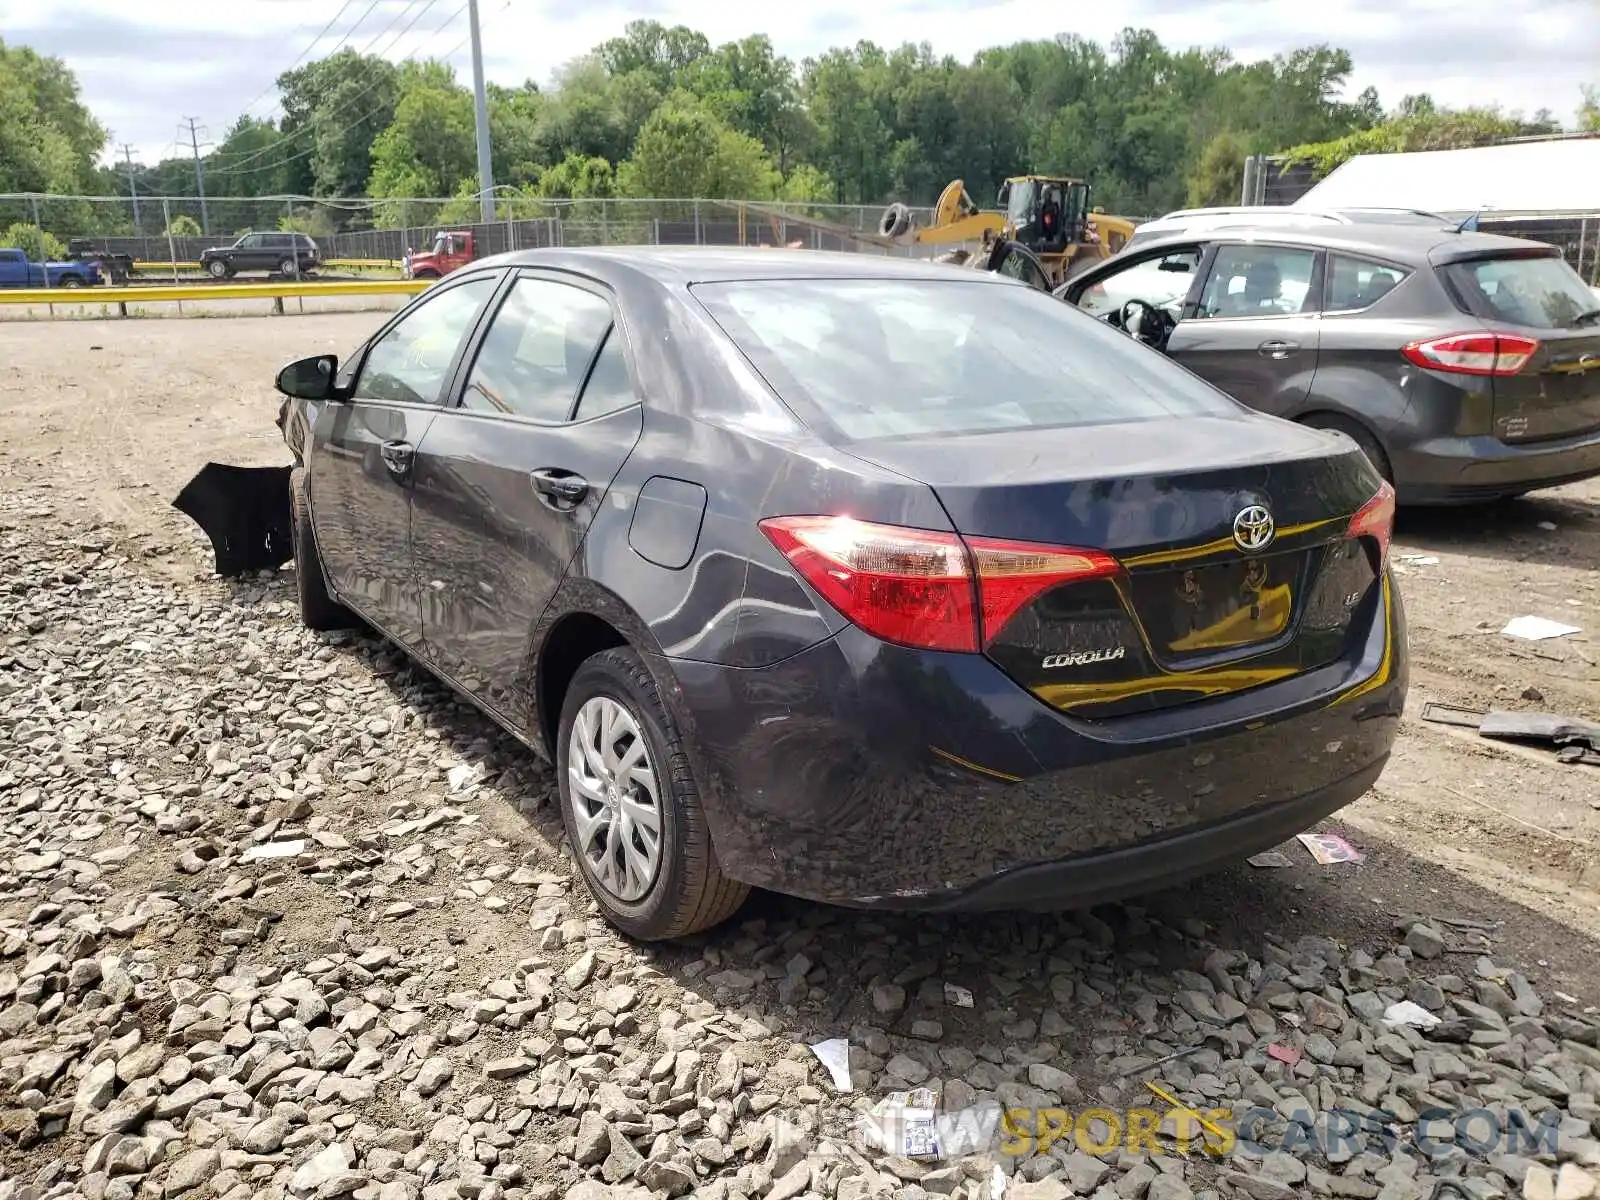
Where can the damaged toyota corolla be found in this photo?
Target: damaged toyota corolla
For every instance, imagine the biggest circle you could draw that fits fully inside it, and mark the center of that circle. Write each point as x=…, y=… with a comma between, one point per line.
x=869, y=581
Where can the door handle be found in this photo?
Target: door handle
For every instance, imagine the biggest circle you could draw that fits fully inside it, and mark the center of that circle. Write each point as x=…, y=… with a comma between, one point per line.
x=1278, y=349
x=397, y=456
x=557, y=488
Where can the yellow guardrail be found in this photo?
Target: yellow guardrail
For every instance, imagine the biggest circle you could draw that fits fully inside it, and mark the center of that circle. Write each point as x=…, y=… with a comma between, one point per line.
x=141, y=264
x=277, y=292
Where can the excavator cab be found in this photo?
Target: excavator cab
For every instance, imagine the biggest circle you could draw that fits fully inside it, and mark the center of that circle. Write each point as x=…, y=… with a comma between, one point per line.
x=1047, y=215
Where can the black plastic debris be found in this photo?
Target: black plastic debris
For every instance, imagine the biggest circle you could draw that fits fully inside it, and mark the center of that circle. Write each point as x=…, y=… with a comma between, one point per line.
x=245, y=513
x=1549, y=728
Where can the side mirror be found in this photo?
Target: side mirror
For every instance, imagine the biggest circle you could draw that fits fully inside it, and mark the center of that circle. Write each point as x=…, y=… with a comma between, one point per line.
x=309, y=378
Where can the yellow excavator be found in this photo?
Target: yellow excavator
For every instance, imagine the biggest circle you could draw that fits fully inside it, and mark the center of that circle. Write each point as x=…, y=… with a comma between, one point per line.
x=1047, y=215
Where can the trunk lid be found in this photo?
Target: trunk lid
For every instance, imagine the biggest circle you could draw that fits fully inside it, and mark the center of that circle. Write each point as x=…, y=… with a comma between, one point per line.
x=1534, y=295
x=1557, y=393
x=1191, y=614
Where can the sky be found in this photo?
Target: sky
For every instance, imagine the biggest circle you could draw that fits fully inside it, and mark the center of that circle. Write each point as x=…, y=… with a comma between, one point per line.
x=142, y=75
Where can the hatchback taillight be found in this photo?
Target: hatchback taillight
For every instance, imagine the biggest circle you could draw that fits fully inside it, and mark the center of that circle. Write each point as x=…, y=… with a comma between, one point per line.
x=1473, y=353
x=925, y=588
x=1375, y=519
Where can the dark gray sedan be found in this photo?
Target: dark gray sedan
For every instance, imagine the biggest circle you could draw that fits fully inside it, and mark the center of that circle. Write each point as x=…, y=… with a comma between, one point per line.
x=860, y=579
x=1465, y=365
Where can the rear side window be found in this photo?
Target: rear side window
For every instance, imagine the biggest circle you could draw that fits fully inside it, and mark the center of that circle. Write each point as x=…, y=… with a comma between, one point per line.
x=1357, y=283
x=1541, y=293
x=876, y=358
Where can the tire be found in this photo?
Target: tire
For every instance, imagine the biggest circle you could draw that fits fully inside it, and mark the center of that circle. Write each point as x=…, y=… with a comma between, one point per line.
x=72, y=281
x=318, y=610
x=686, y=891
x=217, y=269
x=426, y=273
x=895, y=222
x=287, y=268
x=1360, y=435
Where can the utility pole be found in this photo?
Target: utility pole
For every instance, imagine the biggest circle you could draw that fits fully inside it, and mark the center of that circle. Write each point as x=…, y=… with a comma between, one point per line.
x=480, y=116
x=199, y=176
x=133, y=188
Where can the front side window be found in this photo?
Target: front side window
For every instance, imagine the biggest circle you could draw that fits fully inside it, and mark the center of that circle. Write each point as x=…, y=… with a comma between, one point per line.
x=876, y=358
x=1258, y=281
x=410, y=362
x=537, y=351
x=1158, y=281
x=249, y=241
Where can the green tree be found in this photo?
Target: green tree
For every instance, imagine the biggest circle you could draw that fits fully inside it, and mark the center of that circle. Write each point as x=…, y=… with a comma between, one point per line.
x=182, y=225
x=1218, y=178
x=1589, y=110
x=854, y=141
x=38, y=245
x=685, y=152
x=333, y=111
x=429, y=147
x=650, y=46
x=578, y=177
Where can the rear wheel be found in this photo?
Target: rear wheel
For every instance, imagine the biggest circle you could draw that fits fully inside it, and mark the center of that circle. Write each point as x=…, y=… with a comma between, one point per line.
x=630, y=806
x=72, y=281
x=318, y=610
x=1359, y=434
x=288, y=268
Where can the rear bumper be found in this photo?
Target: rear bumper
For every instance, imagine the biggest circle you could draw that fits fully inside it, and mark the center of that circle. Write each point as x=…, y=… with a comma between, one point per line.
x=873, y=776
x=1470, y=470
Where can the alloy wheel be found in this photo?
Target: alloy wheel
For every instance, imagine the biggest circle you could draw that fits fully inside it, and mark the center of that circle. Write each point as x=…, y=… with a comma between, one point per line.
x=616, y=799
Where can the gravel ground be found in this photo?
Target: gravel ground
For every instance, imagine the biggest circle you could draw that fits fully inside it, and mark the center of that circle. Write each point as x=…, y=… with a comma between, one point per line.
x=281, y=917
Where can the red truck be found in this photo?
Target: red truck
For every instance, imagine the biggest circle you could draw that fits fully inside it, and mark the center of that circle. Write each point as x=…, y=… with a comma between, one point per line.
x=451, y=249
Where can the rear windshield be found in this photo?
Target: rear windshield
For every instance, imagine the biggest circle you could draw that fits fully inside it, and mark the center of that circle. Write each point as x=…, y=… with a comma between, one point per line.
x=875, y=358
x=1542, y=293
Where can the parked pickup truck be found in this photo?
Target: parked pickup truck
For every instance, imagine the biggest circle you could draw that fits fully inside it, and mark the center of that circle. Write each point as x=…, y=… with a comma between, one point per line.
x=17, y=272
x=451, y=248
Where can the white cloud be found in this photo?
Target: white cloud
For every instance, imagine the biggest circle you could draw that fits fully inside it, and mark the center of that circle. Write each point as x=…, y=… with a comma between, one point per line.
x=207, y=60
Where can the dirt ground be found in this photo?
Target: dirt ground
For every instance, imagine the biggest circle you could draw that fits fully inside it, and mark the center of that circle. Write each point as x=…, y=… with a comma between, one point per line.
x=117, y=415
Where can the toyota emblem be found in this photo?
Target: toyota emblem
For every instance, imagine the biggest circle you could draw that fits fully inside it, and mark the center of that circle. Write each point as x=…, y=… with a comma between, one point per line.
x=1253, y=529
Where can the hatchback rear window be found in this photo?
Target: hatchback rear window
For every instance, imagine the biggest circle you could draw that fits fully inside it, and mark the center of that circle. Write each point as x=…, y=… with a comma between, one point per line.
x=1541, y=293
x=875, y=358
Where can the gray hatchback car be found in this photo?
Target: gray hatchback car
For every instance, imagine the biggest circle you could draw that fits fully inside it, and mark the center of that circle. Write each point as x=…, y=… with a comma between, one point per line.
x=1465, y=365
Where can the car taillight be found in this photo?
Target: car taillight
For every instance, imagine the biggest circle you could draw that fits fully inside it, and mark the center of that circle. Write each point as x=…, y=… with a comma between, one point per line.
x=1375, y=519
x=917, y=587
x=1012, y=574
x=1473, y=353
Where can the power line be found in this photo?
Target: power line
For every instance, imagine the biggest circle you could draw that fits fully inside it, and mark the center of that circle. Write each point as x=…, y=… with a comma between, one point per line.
x=238, y=165
x=234, y=168
x=309, y=45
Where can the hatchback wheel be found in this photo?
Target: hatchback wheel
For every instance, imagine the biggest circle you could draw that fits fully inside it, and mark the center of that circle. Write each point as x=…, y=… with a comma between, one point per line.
x=1357, y=433
x=631, y=809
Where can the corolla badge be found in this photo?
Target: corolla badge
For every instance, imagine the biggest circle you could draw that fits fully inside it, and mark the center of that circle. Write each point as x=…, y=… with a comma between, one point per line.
x=1083, y=658
x=1253, y=529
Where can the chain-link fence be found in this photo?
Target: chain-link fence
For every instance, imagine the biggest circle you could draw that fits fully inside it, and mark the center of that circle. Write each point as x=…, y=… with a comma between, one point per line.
x=178, y=229
x=164, y=229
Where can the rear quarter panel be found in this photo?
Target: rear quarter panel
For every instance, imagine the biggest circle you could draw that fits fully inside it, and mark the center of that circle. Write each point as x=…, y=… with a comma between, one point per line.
x=1362, y=374
x=711, y=421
